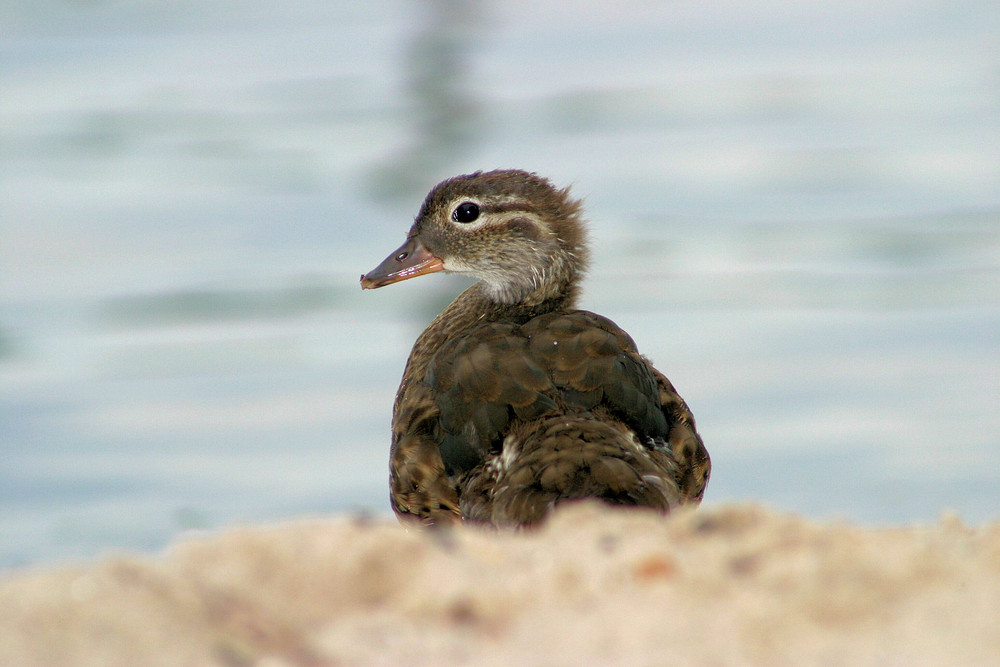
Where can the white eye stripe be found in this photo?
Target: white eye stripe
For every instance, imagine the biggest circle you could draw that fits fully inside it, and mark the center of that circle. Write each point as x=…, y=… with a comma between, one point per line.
x=501, y=204
x=490, y=213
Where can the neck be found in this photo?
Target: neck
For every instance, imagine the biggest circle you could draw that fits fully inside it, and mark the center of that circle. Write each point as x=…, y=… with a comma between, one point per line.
x=471, y=308
x=533, y=287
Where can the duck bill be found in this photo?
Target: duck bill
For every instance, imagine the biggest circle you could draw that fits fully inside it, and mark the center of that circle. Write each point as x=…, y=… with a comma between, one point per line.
x=408, y=261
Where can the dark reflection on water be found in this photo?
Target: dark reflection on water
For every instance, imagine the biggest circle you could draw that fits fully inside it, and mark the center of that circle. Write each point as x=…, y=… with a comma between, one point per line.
x=796, y=216
x=443, y=114
x=192, y=305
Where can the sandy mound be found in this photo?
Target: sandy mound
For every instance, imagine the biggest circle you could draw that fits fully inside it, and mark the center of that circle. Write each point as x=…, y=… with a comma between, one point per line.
x=729, y=585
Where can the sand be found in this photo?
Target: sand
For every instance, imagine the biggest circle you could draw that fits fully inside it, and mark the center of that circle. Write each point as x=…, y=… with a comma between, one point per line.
x=725, y=585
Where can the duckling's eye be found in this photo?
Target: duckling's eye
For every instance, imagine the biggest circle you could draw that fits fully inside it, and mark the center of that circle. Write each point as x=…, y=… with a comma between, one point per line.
x=465, y=212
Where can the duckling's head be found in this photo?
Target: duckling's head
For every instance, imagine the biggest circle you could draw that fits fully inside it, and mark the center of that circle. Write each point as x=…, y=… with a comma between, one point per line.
x=513, y=230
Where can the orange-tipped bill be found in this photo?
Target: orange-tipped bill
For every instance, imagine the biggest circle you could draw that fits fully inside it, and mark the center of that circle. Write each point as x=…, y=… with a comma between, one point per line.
x=408, y=261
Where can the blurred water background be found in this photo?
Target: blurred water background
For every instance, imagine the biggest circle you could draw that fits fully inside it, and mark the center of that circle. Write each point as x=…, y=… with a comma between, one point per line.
x=795, y=209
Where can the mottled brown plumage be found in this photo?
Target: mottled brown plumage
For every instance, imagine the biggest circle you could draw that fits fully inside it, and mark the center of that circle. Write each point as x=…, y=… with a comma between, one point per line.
x=512, y=401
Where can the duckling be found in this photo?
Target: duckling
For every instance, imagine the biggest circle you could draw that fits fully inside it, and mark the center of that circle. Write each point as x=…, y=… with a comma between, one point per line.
x=512, y=400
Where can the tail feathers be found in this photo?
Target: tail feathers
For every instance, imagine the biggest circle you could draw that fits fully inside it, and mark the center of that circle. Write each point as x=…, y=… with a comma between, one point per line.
x=576, y=457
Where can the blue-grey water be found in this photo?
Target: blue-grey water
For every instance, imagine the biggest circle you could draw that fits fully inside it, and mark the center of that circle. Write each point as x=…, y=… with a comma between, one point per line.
x=795, y=210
